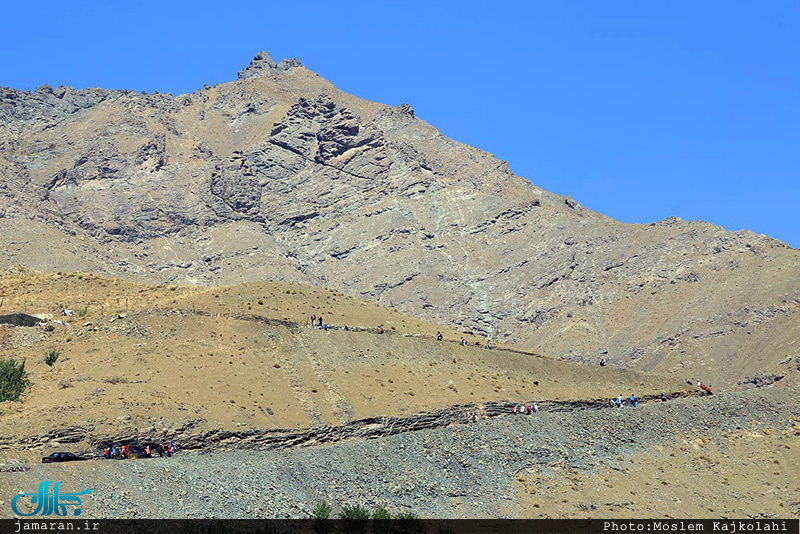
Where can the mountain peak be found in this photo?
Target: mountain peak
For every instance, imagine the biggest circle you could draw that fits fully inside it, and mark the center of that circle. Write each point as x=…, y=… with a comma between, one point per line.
x=262, y=64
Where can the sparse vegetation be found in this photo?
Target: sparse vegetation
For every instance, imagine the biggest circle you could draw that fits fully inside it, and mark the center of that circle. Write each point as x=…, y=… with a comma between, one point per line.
x=322, y=510
x=353, y=511
x=52, y=357
x=321, y=513
x=13, y=380
x=381, y=513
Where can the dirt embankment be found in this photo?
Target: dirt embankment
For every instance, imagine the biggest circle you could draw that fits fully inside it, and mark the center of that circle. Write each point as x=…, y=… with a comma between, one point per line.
x=735, y=455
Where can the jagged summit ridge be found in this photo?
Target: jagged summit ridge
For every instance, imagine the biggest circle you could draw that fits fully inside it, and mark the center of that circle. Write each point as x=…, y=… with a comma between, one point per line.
x=263, y=64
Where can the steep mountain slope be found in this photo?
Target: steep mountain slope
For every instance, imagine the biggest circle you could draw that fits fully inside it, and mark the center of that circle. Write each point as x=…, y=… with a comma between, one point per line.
x=279, y=175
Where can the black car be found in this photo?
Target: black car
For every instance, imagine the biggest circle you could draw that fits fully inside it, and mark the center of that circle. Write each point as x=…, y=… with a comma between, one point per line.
x=61, y=457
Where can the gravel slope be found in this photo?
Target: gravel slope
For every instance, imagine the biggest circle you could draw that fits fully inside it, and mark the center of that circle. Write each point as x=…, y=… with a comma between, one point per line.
x=464, y=470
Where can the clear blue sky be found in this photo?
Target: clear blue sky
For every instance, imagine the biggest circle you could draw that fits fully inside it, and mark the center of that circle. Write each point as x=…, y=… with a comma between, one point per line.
x=639, y=110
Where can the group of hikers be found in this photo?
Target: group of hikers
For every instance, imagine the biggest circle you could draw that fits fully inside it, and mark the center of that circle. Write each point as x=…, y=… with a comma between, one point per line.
x=122, y=452
x=631, y=401
x=525, y=409
x=701, y=385
x=316, y=322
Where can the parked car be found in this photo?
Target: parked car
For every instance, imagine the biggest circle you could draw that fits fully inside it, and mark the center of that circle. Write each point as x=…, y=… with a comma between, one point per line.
x=61, y=457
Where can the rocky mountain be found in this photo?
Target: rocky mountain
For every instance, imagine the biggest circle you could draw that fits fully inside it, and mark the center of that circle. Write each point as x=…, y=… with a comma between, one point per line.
x=279, y=175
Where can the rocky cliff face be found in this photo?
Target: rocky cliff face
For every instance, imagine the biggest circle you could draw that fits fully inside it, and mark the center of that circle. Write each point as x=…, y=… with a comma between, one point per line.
x=280, y=175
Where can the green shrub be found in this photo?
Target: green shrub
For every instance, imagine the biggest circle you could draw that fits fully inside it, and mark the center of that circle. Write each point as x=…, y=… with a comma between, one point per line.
x=354, y=519
x=13, y=380
x=321, y=514
x=322, y=510
x=355, y=511
x=381, y=513
x=382, y=521
x=51, y=357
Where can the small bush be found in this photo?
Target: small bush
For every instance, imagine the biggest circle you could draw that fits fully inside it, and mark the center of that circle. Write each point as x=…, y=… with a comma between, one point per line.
x=82, y=312
x=355, y=519
x=355, y=511
x=382, y=521
x=51, y=357
x=65, y=383
x=381, y=513
x=322, y=510
x=321, y=514
x=13, y=380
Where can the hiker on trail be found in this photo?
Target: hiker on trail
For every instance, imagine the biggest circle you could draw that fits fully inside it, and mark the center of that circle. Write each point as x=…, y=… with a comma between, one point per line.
x=325, y=326
x=438, y=336
x=489, y=344
x=514, y=410
x=690, y=381
x=602, y=362
x=380, y=329
x=463, y=341
x=703, y=386
x=160, y=450
x=319, y=321
x=632, y=400
x=172, y=446
x=619, y=401
x=147, y=451
x=528, y=409
x=535, y=408
x=313, y=318
x=663, y=396
x=708, y=390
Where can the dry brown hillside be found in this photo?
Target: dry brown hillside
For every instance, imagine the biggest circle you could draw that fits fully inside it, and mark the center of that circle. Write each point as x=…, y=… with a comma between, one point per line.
x=279, y=175
x=243, y=357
